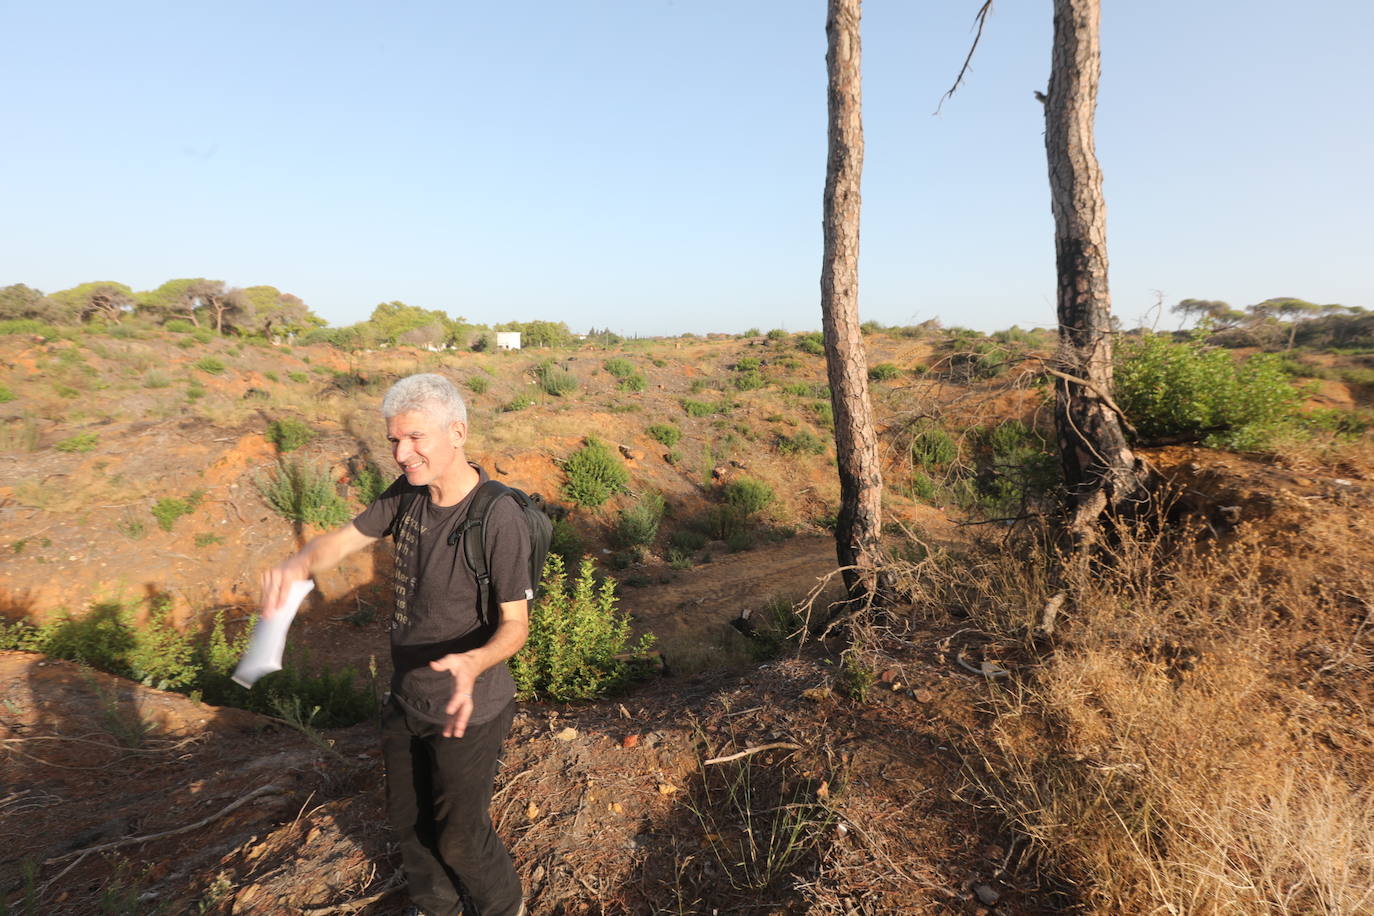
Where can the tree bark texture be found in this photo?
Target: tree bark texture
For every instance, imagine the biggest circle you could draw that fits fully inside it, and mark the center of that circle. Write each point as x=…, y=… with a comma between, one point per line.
x=856, y=443
x=1100, y=469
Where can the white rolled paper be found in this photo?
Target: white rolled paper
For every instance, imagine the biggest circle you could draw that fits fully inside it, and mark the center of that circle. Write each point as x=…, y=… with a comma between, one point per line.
x=268, y=641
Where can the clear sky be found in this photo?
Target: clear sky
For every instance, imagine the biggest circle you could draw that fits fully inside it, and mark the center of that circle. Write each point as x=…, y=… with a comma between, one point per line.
x=656, y=166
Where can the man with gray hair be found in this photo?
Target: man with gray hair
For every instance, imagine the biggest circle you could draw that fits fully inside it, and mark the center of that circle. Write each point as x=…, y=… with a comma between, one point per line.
x=452, y=696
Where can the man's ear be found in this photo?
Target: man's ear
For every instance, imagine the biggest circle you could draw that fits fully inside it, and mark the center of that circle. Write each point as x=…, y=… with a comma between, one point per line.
x=458, y=433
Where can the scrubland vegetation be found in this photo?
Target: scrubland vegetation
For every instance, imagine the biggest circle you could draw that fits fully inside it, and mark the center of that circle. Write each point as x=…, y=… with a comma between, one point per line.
x=1177, y=723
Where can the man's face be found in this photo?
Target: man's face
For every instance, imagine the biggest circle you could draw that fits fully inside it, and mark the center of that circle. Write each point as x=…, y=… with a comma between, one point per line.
x=426, y=449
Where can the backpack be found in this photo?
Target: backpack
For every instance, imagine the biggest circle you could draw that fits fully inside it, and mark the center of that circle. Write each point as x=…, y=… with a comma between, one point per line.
x=475, y=548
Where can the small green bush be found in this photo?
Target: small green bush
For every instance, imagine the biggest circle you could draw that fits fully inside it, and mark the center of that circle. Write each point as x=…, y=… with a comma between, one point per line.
x=156, y=380
x=932, y=447
x=665, y=433
x=478, y=384
x=635, y=382
x=777, y=334
x=697, y=408
x=209, y=364
x=1171, y=389
x=578, y=639
x=803, y=442
x=567, y=542
x=619, y=366
x=299, y=378
x=303, y=494
x=29, y=326
x=519, y=402
x=595, y=473
x=813, y=343
x=179, y=326
x=167, y=510
x=637, y=526
x=747, y=495
x=66, y=391
x=81, y=442
x=6, y=395
x=369, y=483
x=289, y=434
x=748, y=364
x=554, y=380
x=884, y=372
x=750, y=381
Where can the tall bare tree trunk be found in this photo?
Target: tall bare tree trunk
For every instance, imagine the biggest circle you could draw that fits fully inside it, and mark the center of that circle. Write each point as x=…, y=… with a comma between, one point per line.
x=856, y=443
x=1100, y=469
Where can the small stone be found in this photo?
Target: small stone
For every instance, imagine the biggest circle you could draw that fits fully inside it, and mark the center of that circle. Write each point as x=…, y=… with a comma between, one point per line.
x=567, y=734
x=616, y=807
x=888, y=676
x=815, y=694
x=630, y=741
x=631, y=454
x=986, y=894
x=666, y=788
x=921, y=695
x=531, y=811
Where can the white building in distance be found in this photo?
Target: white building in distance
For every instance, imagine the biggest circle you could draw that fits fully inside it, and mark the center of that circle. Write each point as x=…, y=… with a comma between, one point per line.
x=508, y=340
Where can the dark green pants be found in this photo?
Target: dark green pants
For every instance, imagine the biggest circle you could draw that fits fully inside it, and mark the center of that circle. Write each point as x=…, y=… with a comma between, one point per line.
x=438, y=795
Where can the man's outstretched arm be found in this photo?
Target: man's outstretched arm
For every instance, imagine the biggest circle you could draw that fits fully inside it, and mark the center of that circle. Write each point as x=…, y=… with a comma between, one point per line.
x=465, y=667
x=323, y=552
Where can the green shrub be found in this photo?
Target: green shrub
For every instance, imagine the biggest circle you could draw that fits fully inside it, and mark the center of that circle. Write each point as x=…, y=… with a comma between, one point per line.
x=289, y=434
x=81, y=442
x=167, y=510
x=808, y=390
x=932, y=447
x=1171, y=389
x=30, y=326
x=66, y=391
x=750, y=381
x=369, y=483
x=748, y=364
x=209, y=364
x=637, y=526
x=635, y=382
x=777, y=334
x=179, y=326
x=303, y=494
x=665, y=433
x=554, y=380
x=567, y=542
x=577, y=640
x=519, y=402
x=299, y=378
x=813, y=343
x=747, y=495
x=478, y=384
x=619, y=366
x=697, y=408
x=884, y=372
x=156, y=380
x=6, y=395
x=595, y=473
x=803, y=442
x=825, y=414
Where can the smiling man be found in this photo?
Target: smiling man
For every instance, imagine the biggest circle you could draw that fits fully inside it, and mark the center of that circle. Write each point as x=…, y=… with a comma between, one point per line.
x=452, y=697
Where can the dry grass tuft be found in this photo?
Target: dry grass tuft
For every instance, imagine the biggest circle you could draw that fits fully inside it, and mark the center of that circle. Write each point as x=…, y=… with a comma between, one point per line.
x=1170, y=749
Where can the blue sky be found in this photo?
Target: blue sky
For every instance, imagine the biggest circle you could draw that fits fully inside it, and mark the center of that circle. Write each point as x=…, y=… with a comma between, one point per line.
x=657, y=167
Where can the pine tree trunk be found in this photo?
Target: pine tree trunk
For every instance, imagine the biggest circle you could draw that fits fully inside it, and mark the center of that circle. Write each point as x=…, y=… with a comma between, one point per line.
x=1101, y=471
x=856, y=443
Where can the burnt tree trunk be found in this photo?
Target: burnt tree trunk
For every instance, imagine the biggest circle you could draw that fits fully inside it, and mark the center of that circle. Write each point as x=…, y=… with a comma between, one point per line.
x=1101, y=471
x=856, y=443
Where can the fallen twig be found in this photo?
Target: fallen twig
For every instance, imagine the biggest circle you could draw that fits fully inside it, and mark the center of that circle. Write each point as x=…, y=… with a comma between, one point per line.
x=776, y=745
x=260, y=791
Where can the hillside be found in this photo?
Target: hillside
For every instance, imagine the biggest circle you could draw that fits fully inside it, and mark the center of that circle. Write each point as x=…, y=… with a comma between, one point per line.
x=132, y=475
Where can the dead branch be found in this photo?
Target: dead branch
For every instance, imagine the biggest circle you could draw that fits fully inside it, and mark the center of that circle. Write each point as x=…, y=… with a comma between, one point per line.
x=981, y=18
x=748, y=751
x=260, y=791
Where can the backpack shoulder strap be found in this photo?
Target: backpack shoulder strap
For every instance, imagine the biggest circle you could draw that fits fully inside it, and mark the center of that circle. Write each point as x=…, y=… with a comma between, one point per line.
x=475, y=548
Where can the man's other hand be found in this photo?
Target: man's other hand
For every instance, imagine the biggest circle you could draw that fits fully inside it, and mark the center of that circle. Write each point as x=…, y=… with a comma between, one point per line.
x=464, y=670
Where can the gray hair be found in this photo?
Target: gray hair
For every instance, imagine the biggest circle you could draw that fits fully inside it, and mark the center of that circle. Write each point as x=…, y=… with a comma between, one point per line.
x=427, y=392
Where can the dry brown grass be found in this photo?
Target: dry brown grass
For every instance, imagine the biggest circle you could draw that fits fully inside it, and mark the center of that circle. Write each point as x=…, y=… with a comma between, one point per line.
x=1176, y=747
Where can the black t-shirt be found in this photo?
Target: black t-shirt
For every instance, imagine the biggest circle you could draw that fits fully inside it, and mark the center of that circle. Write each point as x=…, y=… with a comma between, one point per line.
x=436, y=595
